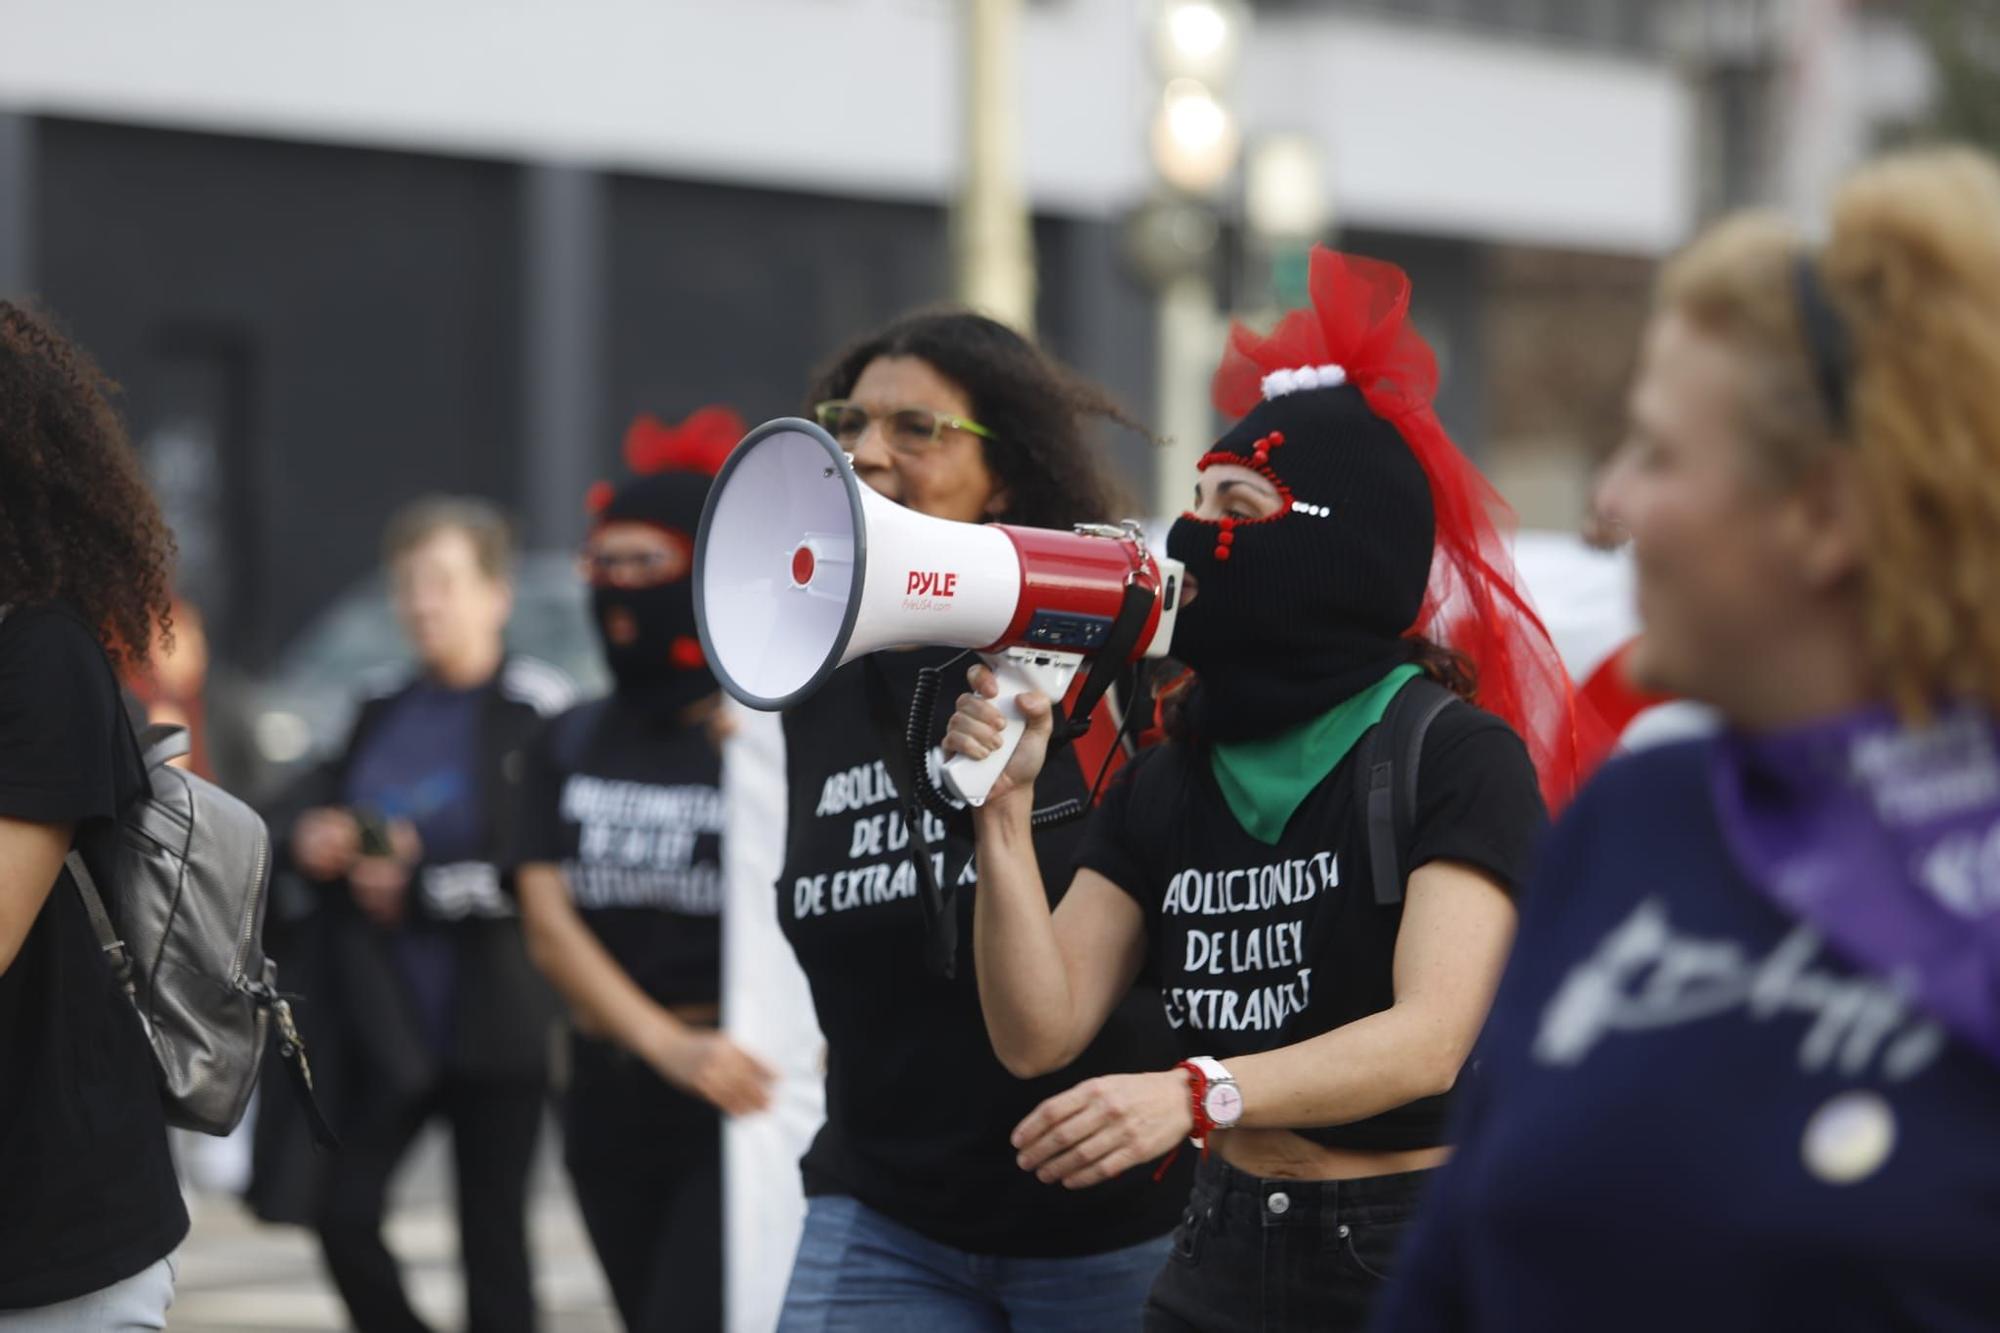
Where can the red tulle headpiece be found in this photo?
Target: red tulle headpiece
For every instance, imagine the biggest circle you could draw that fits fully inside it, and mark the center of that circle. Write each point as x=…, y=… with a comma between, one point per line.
x=1359, y=321
x=699, y=444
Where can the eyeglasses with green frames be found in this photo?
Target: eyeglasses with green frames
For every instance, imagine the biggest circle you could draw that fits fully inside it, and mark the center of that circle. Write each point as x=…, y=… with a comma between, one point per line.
x=908, y=430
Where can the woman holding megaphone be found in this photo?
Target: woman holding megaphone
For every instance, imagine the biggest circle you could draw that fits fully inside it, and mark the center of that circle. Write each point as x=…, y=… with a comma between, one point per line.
x=917, y=1216
x=1320, y=867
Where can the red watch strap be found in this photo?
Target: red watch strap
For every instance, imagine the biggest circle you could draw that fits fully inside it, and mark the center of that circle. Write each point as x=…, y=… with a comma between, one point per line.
x=1197, y=1105
x=1198, y=1099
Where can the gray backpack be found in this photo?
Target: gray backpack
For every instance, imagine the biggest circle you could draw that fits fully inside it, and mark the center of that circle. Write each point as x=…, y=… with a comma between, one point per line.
x=175, y=888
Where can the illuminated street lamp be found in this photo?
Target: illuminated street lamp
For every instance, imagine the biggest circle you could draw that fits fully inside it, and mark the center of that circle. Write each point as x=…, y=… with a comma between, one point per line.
x=1200, y=39
x=1195, y=140
x=1195, y=144
x=1284, y=212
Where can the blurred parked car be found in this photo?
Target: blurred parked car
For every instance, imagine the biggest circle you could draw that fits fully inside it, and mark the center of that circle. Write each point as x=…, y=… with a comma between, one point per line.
x=300, y=713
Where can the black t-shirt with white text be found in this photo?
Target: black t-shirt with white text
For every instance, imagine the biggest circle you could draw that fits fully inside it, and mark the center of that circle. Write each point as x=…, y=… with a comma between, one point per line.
x=630, y=807
x=1260, y=946
x=87, y=1189
x=919, y=1109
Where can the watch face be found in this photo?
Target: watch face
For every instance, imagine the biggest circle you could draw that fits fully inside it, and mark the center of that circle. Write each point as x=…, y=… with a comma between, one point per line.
x=1224, y=1105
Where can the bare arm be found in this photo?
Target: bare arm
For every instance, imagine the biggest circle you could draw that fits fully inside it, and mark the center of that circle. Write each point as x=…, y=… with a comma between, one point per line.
x=1047, y=981
x=31, y=857
x=608, y=1003
x=1456, y=930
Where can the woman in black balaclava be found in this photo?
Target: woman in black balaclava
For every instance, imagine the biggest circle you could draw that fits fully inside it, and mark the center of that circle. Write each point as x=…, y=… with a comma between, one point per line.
x=1336, y=535
x=620, y=879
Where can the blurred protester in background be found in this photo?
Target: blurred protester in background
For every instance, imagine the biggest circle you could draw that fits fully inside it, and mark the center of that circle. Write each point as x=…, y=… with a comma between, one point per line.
x=1337, y=541
x=619, y=847
x=917, y=1216
x=1744, y=1069
x=89, y=1207
x=432, y=1001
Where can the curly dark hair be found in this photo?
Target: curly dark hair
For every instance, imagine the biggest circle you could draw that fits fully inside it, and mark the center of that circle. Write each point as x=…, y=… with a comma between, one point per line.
x=1035, y=407
x=77, y=521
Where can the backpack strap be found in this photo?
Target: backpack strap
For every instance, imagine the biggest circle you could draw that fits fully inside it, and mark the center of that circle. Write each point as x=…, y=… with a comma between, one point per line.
x=163, y=742
x=1391, y=756
x=100, y=922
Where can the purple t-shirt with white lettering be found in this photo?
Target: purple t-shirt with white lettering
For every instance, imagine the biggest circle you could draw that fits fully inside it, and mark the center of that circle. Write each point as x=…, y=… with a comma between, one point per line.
x=1692, y=1112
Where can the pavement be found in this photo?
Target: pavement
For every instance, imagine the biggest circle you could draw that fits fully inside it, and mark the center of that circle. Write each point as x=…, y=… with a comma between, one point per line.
x=237, y=1274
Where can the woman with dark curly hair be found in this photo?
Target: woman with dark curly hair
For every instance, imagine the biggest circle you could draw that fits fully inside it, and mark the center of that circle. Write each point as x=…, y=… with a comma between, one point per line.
x=90, y=1209
x=917, y=1216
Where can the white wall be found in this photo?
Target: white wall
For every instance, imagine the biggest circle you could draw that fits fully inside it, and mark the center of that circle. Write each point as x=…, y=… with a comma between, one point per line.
x=1429, y=130
x=1425, y=130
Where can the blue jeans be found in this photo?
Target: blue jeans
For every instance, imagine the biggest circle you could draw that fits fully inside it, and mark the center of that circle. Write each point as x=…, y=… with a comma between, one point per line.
x=859, y=1272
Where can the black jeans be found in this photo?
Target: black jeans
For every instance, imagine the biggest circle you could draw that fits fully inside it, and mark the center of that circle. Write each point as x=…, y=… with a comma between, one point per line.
x=646, y=1160
x=494, y=1125
x=1274, y=1256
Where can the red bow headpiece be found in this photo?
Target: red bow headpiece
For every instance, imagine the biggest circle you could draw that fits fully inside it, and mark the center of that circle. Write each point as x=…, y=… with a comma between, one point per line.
x=698, y=444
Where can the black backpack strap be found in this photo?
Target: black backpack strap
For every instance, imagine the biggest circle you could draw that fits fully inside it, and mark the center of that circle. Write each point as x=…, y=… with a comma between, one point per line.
x=940, y=918
x=1391, y=755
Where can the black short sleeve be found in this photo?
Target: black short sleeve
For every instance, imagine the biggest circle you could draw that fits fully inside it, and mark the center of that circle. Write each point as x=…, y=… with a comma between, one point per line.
x=538, y=831
x=1478, y=800
x=1122, y=840
x=66, y=753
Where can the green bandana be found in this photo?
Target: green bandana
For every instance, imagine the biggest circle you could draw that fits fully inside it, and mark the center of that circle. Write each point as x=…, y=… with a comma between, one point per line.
x=1265, y=782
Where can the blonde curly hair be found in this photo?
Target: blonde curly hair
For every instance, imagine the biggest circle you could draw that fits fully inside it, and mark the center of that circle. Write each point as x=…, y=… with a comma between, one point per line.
x=1912, y=267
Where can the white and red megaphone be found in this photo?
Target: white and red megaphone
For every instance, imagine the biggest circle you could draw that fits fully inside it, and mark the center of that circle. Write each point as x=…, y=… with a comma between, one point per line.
x=799, y=569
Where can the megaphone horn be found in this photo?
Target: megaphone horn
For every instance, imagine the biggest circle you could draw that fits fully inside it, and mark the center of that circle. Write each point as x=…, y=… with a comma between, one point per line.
x=799, y=568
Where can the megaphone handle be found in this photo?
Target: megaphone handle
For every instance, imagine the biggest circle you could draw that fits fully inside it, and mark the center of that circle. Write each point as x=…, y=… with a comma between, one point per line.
x=1018, y=671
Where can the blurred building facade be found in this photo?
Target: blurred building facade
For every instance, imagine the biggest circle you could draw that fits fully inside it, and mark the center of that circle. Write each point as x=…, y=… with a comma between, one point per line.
x=342, y=255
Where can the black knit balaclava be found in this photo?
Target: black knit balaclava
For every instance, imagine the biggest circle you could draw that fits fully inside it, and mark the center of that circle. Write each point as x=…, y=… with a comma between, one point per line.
x=1295, y=612
x=662, y=670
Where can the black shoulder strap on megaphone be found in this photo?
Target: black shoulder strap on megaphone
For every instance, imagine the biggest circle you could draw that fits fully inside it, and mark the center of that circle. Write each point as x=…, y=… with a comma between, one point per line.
x=939, y=906
x=1134, y=610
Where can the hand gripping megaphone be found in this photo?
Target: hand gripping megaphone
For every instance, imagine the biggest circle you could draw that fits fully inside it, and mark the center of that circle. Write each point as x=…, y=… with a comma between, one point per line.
x=799, y=568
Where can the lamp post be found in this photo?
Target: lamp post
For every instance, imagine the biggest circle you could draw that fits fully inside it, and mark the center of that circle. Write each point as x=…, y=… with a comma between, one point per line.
x=1284, y=212
x=1195, y=143
x=992, y=240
